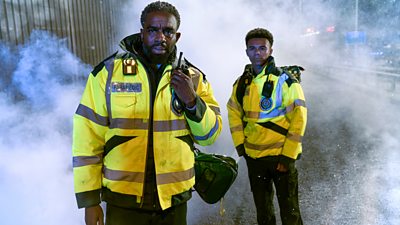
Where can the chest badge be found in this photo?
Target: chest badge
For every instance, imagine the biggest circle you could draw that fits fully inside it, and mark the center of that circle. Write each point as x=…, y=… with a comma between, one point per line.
x=266, y=103
x=129, y=67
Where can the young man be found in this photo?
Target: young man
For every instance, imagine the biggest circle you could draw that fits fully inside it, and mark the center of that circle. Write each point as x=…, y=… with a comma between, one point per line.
x=267, y=123
x=136, y=124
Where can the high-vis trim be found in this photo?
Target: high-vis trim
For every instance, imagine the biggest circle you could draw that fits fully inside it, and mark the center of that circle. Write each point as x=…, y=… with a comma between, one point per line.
x=110, y=70
x=119, y=175
x=216, y=110
x=91, y=115
x=170, y=125
x=123, y=123
x=263, y=147
x=78, y=161
x=234, y=105
x=279, y=85
x=295, y=137
x=237, y=128
x=297, y=102
x=275, y=112
x=264, y=115
x=142, y=124
x=175, y=177
x=210, y=134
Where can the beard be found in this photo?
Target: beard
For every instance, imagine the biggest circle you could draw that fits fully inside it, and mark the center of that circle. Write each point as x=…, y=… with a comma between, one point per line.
x=157, y=58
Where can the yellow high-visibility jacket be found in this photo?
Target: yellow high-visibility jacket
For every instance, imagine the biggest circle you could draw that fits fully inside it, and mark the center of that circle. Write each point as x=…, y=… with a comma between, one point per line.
x=269, y=127
x=111, y=130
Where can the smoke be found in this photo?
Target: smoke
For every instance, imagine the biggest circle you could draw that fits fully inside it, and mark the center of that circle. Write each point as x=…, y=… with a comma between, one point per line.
x=350, y=159
x=37, y=105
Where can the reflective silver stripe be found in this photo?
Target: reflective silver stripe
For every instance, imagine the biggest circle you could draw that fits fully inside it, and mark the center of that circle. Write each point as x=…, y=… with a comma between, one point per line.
x=78, y=161
x=210, y=134
x=253, y=115
x=237, y=128
x=170, y=125
x=263, y=147
x=216, y=110
x=123, y=123
x=110, y=69
x=142, y=124
x=234, y=105
x=295, y=137
x=119, y=175
x=300, y=102
x=297, y=102
x=91, y=115
x=168, y=178
x=275, y=112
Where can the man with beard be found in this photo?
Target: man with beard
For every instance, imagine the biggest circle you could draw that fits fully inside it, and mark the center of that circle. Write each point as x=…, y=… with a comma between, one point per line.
x=267, y=123
x=136, y=125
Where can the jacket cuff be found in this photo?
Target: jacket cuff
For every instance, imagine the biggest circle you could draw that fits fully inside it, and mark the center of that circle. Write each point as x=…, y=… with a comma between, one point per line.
x=197, y=114
x=88, y=198
x=241, y=150
x=286, y=161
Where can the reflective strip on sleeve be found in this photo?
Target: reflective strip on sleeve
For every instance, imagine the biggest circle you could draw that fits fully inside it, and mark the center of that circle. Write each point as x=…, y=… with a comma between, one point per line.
x=234, y=105
x=78, y=161
x=295, y=137
x=297, y=102
x=215, y=109
x=91, y=115
x=236, y=128
x=175, y=177
x=119, y=175
x=210, y=134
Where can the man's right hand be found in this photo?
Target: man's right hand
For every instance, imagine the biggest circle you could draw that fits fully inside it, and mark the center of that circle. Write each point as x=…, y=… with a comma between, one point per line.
x=94, y=215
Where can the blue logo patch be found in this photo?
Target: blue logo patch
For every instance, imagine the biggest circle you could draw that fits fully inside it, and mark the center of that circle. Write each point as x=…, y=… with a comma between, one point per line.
x=266, y=104
x=126, y=87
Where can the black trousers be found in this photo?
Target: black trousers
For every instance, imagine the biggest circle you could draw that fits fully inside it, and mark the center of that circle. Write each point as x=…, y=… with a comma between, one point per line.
x=262, y=175
x=123, y=216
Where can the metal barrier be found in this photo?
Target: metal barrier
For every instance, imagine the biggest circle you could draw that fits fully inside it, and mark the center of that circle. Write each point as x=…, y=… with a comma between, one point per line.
x=88, y=25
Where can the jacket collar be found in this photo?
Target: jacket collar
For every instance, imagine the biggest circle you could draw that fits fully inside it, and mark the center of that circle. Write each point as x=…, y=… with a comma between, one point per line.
x=133, y=45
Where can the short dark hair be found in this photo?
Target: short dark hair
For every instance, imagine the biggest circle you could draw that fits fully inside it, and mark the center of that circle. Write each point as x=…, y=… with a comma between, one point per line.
x=160, y=6
x=260, y=33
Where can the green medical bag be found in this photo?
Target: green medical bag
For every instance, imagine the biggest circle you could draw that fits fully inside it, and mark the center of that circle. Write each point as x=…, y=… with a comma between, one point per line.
x=214, y=175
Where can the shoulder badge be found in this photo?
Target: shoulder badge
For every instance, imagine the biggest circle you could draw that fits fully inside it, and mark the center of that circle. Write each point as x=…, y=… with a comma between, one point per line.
x=129, y=67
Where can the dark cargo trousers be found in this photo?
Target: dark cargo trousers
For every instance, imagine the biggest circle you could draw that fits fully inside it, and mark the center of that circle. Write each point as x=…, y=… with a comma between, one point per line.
x=122, y=216
x=262, y=174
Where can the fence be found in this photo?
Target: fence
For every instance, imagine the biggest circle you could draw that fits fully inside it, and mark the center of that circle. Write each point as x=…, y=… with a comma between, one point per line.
x=87, y=25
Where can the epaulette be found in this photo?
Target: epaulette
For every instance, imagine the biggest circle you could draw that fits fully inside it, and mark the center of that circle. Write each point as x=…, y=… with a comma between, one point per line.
x=293, y=72
x=100, y=66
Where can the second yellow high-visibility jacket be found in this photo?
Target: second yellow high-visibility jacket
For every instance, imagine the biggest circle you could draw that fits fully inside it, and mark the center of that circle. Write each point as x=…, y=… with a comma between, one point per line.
x=273, y=125
x=111, y=132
